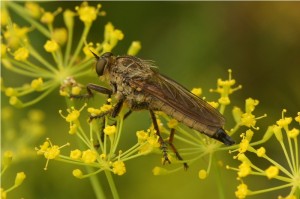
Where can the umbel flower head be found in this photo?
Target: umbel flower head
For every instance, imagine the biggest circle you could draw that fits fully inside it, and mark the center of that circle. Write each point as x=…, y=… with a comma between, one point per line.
x=68, y=56
x=285, y=170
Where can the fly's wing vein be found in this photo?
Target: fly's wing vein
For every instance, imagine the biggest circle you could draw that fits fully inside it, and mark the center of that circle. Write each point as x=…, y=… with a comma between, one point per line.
x=182, y=100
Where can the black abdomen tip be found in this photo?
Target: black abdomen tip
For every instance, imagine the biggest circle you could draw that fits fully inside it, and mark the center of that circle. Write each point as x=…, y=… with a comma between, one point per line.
x=222, y=136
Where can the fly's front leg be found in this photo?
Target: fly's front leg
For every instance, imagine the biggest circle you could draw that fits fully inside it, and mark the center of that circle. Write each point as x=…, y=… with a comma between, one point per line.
x=171, y=138
x=163, y=144
x=93, y=87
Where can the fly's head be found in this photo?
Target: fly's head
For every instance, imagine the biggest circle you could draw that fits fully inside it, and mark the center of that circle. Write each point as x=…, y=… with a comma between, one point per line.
x=103, y=62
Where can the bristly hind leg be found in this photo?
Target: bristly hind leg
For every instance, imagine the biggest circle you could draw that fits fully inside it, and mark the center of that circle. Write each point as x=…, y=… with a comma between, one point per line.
x=171, y=138
x=163, y=144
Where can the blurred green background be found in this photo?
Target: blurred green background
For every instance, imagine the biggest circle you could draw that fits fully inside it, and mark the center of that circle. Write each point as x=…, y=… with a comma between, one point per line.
x=194, y=43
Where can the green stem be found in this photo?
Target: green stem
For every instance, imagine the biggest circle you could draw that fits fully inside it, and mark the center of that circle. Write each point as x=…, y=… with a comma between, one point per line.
x=219, y=181
x=97, y=187
x=112, y=184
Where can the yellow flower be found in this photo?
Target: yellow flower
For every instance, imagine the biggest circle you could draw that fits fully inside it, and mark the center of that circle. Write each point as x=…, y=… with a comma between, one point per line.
x=202, y=174
x=51, y=46
x=159, y=171
x=60, y=35
x=75, y=154
x=134, y=48
x=7, y=158
x=89, y=156
x=47, y=18
x=244, y=169
x=242, y=191
x=73, y=129
x=21, y=54
x=293, y=133
x=52, y=152
x=261, y=152
x=142, y=136
x=33, y=9
x=272, y=172
x=110, y=130
x=77, y=173
x=37, y=84
x=119, y=167
x=197, y=91
x=20, y=178
x=87, y=13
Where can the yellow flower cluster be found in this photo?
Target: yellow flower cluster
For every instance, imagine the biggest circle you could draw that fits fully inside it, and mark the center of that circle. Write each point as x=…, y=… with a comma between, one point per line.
x=276, y=171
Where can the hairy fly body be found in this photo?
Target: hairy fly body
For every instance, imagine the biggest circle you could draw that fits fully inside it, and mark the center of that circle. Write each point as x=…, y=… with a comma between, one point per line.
x=138, y=84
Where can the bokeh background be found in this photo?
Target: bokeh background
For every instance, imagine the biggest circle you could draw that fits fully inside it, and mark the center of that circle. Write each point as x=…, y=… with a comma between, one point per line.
x=194, y=43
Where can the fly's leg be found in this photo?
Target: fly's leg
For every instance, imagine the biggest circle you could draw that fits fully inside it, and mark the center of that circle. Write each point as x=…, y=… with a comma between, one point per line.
x=93, y=87
x=163, y=144
x=171, y=138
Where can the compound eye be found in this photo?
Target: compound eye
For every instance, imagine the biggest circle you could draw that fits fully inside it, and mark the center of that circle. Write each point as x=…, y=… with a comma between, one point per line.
x=100, y=65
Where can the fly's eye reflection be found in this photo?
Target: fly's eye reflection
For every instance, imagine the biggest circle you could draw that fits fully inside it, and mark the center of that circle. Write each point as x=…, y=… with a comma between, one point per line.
x=101, y=63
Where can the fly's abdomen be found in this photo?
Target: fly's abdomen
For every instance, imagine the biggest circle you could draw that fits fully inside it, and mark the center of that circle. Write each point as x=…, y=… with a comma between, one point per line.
x=183, y=118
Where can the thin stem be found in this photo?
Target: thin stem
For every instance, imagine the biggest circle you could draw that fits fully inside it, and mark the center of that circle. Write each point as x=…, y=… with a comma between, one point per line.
x=112, y=184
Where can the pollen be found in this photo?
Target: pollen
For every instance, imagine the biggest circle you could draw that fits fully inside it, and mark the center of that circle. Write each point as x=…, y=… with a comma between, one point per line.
x=51, y=46
x=119, y=167
x=272, y=172
x=110, y=130
x=21, y=54
x=37, y=84
x=89, y=156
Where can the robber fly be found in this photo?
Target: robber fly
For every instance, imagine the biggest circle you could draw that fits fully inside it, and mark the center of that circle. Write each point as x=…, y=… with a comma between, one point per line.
x=137, y=83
